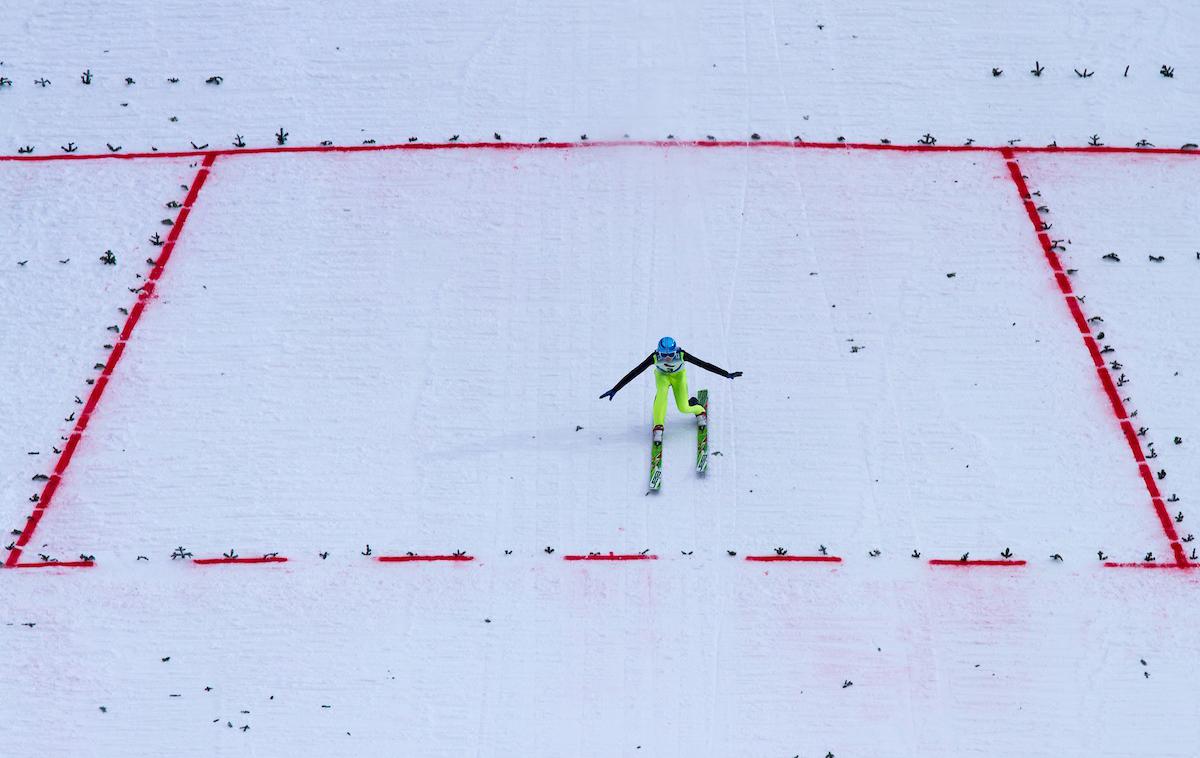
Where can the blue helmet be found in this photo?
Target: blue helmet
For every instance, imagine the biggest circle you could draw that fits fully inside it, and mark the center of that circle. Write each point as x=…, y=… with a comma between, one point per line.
x=666, y=348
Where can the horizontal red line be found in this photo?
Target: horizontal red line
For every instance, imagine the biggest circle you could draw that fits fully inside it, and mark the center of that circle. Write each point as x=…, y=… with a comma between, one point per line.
x=796, y=558
x=1104, y=149
x=945, y=562
x=1178, y=566
x=771, y=558
x=263, y=559
x=611, y=557
x=597, y=144
x=55, y=564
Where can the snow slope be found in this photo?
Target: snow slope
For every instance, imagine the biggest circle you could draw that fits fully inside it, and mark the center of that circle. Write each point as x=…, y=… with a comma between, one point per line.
x=398, y=353
x=379, y=336
x=561, y=68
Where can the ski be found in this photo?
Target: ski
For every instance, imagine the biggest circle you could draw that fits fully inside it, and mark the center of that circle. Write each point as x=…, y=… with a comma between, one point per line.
x=656, y=450
x=702, y=434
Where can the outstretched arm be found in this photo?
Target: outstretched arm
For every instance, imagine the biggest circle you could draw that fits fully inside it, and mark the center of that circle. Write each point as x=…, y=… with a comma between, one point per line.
x=630, y=376
x=709, y=367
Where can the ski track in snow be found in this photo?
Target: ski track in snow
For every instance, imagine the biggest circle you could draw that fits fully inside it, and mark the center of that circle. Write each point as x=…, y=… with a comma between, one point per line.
x=347, y=402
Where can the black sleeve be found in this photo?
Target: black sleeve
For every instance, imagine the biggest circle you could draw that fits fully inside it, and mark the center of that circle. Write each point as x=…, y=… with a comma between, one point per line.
x=632, y=374
x=705, y=365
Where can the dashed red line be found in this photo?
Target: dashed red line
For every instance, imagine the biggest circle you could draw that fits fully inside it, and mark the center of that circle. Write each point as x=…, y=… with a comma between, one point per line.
x=260, y=559
x=423, y=558
x=595, y=144
x=949, y=562
x=1149, y=565
x=612, y=557
x=85, y=415
x=795, y=558
x=1106, y=381
x=968, y=564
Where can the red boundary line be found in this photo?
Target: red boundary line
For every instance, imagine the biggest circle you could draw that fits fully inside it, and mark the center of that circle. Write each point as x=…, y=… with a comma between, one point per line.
x=953, y=562
x=795, y=558
x=1106, y=381
x=425, y=146
x=263, y=559
x=611, y=557
x=135, y=313
x=1176, y=566
x=209, y=157
x=54, y=564
x=423, y=558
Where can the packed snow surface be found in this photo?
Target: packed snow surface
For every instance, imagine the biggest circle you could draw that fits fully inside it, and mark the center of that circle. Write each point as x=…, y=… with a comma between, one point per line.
x=337, y=356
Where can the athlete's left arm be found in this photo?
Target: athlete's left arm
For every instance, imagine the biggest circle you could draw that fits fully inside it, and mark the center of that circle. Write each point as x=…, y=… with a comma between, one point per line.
x=688, y=357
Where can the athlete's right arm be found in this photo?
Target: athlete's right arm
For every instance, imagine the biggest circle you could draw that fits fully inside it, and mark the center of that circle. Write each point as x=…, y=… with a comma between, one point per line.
x=630, y=376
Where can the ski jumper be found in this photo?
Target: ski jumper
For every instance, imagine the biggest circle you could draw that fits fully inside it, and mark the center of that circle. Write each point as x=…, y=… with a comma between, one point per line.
x=670, y=374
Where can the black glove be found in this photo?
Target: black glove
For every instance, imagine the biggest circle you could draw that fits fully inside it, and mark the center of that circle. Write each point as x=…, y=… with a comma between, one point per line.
x=734, y=374
x=608, y=395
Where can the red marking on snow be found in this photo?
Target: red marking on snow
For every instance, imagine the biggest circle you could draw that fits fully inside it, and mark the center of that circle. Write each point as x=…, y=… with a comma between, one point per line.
x=1106, y=380
x=1176, y=566
x=262, y=559
x=611, y=557
x=85, y=414
x=423, y=558
x=1008, y=152
x=1130, y=436
x=1103, y=150
x=208, y=158
x=795, y=558
x=1110, y=389
x=967, y=564
x=54, y=564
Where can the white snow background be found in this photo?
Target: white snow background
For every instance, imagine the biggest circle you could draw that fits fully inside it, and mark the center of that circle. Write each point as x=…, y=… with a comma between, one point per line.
x=403, y=350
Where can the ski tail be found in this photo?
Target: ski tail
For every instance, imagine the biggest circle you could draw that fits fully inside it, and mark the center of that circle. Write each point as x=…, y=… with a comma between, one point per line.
x=702, y=434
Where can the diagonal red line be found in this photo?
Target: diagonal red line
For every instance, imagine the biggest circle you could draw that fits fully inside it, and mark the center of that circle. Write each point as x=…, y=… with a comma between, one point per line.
x=1106, y=381
x=97, y=392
